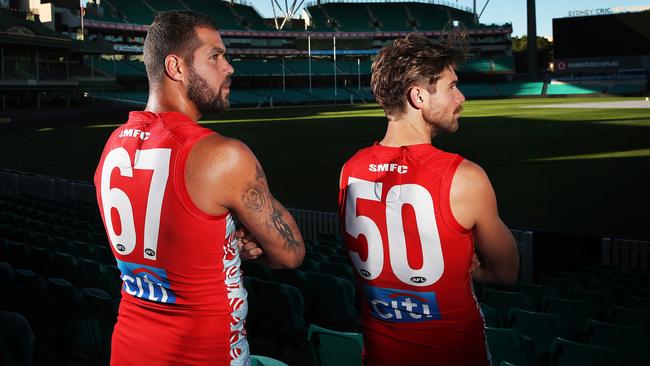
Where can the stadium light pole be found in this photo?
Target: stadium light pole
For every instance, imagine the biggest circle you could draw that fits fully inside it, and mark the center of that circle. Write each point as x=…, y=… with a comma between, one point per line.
x=334, y=40
x=309, y=60
x=284, y=89
x=532, y=39
x=359, y=73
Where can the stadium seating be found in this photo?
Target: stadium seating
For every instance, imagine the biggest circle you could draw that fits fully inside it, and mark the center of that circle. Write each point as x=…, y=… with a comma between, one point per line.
x=569, y=353
x=491, y=316
x=16, y=339
x=335, y=348
x=427, y=17
x=502, y=301
x=574, y=312
x=478, y=90
x=257, y=360
x=565, y=89
x=319, y=19
x=133, y=11
x=629, y=341
x=519, y=88
x=217, y=10
x=535, y=293
x=540, y=327
x=510, y=345
x=349, y=17
x=392, y=16
x=252, y=18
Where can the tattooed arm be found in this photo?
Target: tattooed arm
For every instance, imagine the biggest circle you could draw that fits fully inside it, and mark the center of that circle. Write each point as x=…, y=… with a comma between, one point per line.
x=223, y=174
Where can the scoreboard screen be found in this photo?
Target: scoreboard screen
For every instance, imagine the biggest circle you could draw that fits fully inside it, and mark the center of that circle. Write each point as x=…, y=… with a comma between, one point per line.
x=602, y=35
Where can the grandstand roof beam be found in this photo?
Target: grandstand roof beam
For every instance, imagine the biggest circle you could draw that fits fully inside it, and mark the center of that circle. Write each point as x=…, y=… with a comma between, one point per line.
x=287, y=11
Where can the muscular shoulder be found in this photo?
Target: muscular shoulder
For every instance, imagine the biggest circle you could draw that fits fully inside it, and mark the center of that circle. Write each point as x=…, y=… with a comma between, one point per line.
x=215, y=170
x=219, y=149
x=471, y=193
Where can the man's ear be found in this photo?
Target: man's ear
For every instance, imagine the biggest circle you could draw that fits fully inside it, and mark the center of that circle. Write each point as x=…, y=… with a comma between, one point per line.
x=175, y=67
x=416, y=97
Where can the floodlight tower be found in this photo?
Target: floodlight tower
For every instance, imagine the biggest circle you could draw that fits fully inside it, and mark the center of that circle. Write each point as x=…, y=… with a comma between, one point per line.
x=532, y=39
x=285, y=12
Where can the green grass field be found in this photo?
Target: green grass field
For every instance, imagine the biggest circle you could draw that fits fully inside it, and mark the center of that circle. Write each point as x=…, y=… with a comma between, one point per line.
x=569, y=170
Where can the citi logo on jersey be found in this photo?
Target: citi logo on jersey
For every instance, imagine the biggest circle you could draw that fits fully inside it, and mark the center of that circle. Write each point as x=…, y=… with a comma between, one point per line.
x=147, y=283
x=392, y=167
x=402, y=306
x=134, y=132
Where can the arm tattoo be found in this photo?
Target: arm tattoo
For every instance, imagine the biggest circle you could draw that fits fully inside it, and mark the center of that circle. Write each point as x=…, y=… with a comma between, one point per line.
x=283, y=228
x=258, y=199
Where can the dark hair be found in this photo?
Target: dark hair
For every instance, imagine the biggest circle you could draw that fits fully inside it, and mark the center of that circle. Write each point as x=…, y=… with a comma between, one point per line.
x=412, y=60
x=172, y=32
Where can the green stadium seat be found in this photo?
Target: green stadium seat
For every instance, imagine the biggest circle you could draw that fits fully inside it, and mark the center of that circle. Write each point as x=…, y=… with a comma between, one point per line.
x=35, y=294
x=584, y=279
x=570, y=353
x=560, y=285
x=574, y=312
x=630, y=317
x=330, y=347
x=257, y=360
x=618, y=293
x=16, y=339
x=277, y=310
x=102, y=315
x=630, y=341
x=597, y=271
x=333, y=302
x=297, y=279
x=541, y=327
x=491, y=316
x=502, y=301
x=598, y=301
x=510, y=345
x=636, y=302
x=257, y=270
x=535, y=293
x=68, y=315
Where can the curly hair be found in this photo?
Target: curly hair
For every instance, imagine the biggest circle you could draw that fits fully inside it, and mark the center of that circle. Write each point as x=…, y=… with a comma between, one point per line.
x=172, y=32
x=409, y=61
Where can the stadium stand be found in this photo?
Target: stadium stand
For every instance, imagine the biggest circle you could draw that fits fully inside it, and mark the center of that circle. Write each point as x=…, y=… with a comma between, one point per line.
x=512, y=89
x=133, y=11
x=574, y=89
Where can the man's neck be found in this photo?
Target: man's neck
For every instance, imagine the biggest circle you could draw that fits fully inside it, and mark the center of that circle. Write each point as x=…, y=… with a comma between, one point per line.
x=406, y=131
x=171, y=101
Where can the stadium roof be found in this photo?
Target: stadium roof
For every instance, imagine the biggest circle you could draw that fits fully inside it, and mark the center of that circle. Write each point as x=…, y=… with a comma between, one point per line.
x=15, y=27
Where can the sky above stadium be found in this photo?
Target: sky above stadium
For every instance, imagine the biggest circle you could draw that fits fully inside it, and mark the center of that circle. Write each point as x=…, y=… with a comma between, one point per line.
x=514, y=11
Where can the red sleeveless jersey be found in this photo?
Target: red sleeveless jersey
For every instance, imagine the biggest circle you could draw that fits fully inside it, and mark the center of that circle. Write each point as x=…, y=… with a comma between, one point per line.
x=183, y=300
x=412, y=258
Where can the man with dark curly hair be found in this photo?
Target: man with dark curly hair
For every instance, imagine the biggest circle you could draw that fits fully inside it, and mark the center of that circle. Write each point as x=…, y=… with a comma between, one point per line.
x=413, y=216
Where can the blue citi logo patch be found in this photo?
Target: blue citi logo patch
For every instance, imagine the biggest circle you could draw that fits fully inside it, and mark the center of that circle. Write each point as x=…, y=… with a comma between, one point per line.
x=401, y=306
x=147, y=283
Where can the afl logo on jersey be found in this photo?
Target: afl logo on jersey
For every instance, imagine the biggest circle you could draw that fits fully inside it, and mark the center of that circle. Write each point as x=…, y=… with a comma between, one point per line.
x=150, y=252
x=418, y=279
x=365, y=273
x=120, y=247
